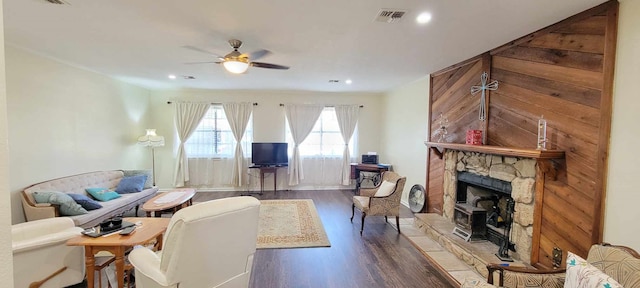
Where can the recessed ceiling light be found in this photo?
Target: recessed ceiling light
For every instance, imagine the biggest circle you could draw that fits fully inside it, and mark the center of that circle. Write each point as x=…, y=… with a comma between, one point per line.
x=348, y=81
x=424, y=18
x=172, y=76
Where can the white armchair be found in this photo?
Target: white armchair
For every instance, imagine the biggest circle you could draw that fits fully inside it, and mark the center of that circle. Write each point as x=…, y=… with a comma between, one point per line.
x=209, y=244
x=41, y=257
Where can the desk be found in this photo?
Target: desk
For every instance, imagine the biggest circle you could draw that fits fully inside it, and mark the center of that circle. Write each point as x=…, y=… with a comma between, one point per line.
x=356, y=168
x=151, y=228
x=266, y=170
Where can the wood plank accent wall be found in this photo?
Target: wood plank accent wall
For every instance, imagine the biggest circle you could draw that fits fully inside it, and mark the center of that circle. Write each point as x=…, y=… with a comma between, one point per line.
x=564, y=72
x=450, y=97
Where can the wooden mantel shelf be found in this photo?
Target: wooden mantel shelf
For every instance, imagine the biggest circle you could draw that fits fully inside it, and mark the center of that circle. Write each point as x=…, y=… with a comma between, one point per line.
x=497, y=150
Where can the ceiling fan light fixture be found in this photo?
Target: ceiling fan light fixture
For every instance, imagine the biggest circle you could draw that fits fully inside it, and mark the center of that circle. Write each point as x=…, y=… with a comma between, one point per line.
x=236, y=66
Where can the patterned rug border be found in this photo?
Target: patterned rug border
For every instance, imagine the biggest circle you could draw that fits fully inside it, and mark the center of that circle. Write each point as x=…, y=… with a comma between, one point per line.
x=312, y=229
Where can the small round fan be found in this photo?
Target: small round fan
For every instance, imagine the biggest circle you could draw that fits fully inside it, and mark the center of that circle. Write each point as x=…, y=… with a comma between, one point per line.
x=416, y=198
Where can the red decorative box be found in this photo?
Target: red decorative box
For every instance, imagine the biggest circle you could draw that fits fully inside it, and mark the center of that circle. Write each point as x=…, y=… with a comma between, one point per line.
x=474, y=137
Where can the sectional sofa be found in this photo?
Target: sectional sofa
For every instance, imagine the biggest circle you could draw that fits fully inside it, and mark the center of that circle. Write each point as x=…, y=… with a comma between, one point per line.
x=77, y=184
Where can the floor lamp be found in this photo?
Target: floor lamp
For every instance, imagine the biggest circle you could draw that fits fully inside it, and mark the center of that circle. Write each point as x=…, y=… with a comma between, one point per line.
x=152, y=140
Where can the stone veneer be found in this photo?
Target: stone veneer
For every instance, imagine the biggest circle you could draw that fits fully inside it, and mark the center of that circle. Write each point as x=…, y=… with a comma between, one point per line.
x=521, y=172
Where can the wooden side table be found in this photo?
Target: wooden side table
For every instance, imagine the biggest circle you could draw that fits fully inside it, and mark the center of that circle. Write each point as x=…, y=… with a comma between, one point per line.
x=150, y=229
x=266, y=170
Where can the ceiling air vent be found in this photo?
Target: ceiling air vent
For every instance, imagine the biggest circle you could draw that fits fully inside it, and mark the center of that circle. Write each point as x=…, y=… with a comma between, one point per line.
x=58, y=2
x=390, y=15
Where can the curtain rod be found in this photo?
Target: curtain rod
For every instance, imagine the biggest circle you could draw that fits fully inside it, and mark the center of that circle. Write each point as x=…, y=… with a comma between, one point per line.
x=361, y=106
x=254, y=103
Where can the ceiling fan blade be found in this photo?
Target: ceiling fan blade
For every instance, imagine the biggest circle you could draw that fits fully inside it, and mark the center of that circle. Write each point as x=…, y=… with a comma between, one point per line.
x=268, y=65
x=205, y=62
x=202, y=51
x=255, y=55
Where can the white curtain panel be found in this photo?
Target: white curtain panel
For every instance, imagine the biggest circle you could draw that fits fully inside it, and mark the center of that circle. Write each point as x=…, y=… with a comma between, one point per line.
x=238, y=115
x=321, y=172
x=347, y=116
x=301, y=120
x=188, y=116
x=210, y=173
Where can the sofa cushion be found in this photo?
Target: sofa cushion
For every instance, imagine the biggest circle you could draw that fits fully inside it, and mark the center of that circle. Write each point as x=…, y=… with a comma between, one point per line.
x=68, y=206
x=582, y=274
x=616, y=262
x=148, y=184
x=102, y=194
x=131, y=184
x=385, y=189
x=534, y=280
x=115, y=207
x=84, y=201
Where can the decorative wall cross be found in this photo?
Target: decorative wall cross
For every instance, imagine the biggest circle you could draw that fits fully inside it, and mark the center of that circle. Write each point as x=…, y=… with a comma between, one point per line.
x=475, y=89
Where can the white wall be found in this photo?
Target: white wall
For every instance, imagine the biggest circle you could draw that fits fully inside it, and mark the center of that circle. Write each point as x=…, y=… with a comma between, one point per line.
x=268, y=119
x=623, y=195
x=64, y=121
x=405, y=111
x=6, y=265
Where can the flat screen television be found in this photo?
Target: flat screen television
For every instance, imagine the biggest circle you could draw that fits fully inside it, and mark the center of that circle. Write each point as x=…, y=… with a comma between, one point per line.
x=269, y=154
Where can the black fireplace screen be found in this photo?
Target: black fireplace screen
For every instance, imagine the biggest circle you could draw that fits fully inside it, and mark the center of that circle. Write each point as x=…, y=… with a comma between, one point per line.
x=487, y=215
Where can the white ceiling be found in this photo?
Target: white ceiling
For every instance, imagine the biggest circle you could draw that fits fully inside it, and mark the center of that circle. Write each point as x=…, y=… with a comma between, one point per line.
x=141, y=41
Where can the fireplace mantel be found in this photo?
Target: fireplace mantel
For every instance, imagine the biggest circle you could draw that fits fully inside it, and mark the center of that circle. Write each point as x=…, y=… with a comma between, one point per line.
x=439, y=148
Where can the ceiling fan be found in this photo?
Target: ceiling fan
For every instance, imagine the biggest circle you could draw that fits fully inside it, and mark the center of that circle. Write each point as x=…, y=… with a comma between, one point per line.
x=236, y=62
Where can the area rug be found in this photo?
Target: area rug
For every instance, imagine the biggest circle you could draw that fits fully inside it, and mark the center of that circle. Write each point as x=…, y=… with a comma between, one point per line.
x=290, y=224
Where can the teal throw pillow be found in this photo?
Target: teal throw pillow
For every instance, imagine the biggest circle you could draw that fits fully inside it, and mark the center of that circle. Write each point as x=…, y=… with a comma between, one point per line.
x=131, y=184
x=102, y=194
x=68, y=206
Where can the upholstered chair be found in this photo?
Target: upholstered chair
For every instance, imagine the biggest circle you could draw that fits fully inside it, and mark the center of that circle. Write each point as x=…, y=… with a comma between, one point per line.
x=41, y=257
x=382, y=200
x=620, y=263
x=209, y=244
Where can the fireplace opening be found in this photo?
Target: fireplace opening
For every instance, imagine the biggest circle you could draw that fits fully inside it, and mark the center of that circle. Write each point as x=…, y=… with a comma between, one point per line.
x=483, y=209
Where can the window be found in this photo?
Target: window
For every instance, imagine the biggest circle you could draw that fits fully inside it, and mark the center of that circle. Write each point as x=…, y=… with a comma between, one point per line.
x=325, y=139
x=213, y=137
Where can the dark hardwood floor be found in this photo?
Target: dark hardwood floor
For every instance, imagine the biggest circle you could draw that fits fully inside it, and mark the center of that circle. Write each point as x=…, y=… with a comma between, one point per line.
x=379, y=258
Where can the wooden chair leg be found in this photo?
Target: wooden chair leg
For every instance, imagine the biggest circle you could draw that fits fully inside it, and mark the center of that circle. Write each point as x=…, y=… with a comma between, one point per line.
x=137, y=206
x=353, y=207
x=362, y=225
x=398, y=223
x=385, y=219
x=37, y=284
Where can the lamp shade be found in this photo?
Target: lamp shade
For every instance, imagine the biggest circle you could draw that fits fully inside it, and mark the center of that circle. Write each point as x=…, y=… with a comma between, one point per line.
x=151, y=139
x=236, y=66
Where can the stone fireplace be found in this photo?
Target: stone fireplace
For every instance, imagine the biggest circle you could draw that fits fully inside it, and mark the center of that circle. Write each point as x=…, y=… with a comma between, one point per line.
x=516, y=174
